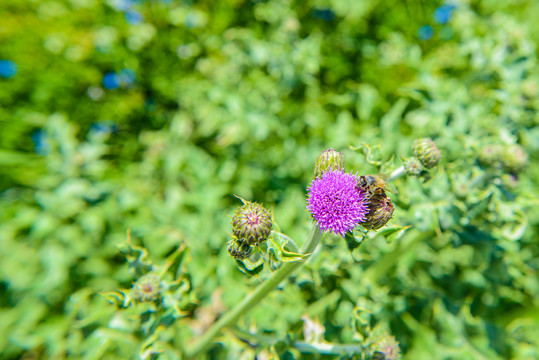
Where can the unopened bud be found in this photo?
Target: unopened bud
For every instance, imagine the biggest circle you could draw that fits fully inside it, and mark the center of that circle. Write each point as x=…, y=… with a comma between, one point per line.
x=329, y=160
x=490, y=154
x=514, y=158
x=427, y=152
x=147, y=288
x=251, y=223
x=413, y=167
x=510, y=181
x=239, y=250
x=380, y=212
x=386, y=348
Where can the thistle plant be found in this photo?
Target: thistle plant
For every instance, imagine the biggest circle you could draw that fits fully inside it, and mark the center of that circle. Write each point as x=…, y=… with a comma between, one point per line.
x=150, y=90
x=511, y=158
x=502, y=163
x=158, y=294
x=337, y=204
x=426, y=156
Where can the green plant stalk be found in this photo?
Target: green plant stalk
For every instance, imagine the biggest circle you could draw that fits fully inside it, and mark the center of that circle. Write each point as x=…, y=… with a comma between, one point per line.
x=328, y=348
x=254, y=297
x=397, y=173
x=321, y=348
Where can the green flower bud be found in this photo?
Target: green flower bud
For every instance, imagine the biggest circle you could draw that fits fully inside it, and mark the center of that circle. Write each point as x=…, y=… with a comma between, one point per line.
x=514, y=158
x=427, y=152
x=251, y=223
x=413, y=167
x=510, y=181
x=327, y=161
x=147, y=288
x=386, y=348
x=380, y=212
x=489, y=155
x=239, y=250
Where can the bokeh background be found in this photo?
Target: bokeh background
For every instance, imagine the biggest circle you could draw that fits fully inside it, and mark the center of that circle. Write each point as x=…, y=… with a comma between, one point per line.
x=150, y=115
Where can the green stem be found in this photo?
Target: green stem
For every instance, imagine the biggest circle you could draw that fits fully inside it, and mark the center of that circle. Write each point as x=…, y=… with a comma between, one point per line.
x=328, y=348
x=304, y=347
x=254, y=297
x=397, y=173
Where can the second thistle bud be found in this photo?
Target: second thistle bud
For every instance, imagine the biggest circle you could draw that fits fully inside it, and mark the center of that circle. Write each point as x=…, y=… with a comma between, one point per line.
x=147, y=288
x=380, y=212
x=511, y=158
x=386, y=348
x=413, y=167
x=251, y=223
x=427, y=152
x=489, y=155
x=329, y=160
x=239, y=250
x=514, y=158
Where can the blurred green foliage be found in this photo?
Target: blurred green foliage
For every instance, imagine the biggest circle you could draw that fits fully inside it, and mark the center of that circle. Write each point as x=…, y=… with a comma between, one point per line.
x=150, y=116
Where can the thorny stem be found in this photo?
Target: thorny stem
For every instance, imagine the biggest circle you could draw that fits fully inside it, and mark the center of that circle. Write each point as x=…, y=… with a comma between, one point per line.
x=254, y=297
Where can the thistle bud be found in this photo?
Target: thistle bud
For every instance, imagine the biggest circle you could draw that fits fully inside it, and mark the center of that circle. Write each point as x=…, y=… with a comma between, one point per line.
x=427, y=152
x=386, y=348
x=251, y=223
x=329, y=160
x=239, y=250
x=147, y=288
x=380, y=212
x=510, y=181
x=514, y=158
x=490, y=155
x=413, y=167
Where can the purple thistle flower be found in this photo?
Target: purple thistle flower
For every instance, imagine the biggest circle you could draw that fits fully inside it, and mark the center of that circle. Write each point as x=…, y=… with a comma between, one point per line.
x=335, y=203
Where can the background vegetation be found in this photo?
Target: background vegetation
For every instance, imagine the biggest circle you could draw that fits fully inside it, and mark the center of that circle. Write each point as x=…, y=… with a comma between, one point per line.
x=150, y=115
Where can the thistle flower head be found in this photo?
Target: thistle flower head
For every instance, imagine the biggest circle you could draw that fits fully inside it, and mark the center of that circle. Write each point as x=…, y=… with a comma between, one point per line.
x=251, y=223
x=380, y=212
x=511, y=158
x=335, y=203
x=386, y=348
x=327, y=161
x=239, y=250
x=147, y=288
x=510, y=181
x=514, y=158
x=413, y=167
x=427, y=152
x=490, y=154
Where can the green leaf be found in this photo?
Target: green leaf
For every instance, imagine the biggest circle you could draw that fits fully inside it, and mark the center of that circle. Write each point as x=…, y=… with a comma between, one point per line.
x=119, y=298
x=393, y=232
x=352, y=241
x=137, y=257
x=250, y=267
x=276, y=249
